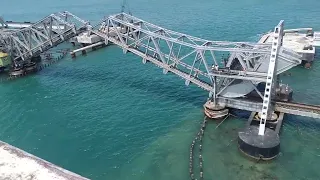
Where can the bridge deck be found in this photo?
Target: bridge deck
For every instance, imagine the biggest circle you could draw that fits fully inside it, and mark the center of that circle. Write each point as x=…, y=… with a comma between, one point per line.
x=35, y=38
x=20, y=25
x=157, y=45
x=294, y=108
x=188, y=57
x=299, y=109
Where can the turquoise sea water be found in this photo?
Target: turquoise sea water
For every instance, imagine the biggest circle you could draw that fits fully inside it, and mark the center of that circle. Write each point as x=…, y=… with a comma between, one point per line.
x=108, y=116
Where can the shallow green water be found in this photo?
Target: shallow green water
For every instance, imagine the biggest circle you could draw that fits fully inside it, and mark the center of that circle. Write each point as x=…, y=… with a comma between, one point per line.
x=108, y=116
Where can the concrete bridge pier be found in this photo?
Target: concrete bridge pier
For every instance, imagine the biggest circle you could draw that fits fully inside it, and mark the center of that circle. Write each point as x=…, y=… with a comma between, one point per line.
x=215, y=110
x=84, y=52
x=86, y=48
x=261, y=147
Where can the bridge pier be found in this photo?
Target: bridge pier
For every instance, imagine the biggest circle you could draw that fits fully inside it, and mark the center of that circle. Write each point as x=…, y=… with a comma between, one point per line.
x=36, y=59
x=215, y=111
x=30, y=67
x=259, y=147
x=86, y=48
x=307, y=64
x=17, y=72
x=165, y=71
x=144, y=61
x=22, y=70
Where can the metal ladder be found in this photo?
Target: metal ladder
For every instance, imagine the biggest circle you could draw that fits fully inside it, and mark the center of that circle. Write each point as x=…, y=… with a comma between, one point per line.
x=266, y=109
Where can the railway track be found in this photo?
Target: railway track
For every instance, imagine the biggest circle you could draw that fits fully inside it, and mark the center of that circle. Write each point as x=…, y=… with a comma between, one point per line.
x=298, y=109
x=298, y=105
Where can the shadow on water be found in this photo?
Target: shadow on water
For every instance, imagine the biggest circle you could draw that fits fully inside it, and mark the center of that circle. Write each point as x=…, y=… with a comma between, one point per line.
x=171, y=89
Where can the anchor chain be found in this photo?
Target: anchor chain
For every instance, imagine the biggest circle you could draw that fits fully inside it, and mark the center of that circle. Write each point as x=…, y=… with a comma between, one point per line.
x=199, y=138
x=192, y=146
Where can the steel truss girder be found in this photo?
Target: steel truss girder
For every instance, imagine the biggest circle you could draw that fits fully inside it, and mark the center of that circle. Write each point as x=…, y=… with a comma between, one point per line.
x=48, y=32
x=187, y=56
x=186, y=40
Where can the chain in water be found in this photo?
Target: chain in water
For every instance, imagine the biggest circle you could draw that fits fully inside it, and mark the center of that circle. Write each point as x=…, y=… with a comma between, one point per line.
x=199, y=138
x=192, y=146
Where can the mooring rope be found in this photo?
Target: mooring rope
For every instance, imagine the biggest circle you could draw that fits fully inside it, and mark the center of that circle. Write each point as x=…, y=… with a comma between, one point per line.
x=199, y=138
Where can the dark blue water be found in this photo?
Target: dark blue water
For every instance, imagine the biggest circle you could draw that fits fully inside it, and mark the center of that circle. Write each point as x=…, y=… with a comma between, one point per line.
x=108, y=116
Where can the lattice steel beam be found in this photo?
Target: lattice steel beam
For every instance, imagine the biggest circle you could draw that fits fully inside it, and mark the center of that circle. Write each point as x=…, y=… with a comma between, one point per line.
x=41, y=36
x=186, y=56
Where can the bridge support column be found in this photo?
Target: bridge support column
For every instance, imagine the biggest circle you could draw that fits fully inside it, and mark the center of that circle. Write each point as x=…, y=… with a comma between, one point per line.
x=36, y=59
x=30, y=67
x=17, y=72
x=261, y=142
x=106, y=41
x=265, y=147
x=307, y=65
x=144, y=61
x=165, y=71
x=257, y=147
x=215, y=111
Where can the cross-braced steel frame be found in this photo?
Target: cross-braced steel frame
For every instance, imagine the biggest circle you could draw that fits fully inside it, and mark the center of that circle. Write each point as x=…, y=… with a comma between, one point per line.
x=194, y=59
x=50, y=31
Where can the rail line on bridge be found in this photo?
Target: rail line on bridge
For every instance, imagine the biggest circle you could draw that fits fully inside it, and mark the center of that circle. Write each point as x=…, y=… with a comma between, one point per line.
x=189, y=57
x=193, y=59
x=31, y=41
x=299, y=109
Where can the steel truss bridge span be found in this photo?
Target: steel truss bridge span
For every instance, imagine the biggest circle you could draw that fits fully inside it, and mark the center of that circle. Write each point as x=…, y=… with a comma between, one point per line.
x=31, y=41
x=192, y=58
